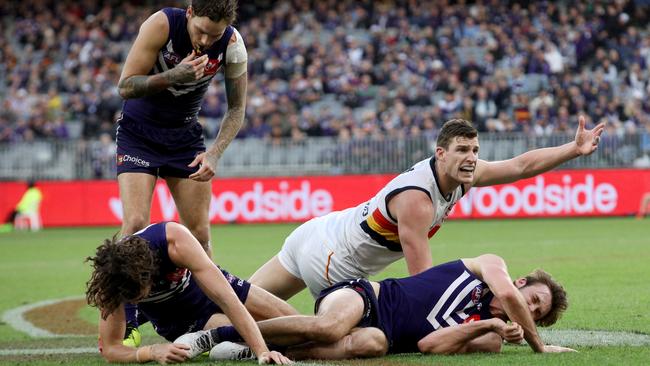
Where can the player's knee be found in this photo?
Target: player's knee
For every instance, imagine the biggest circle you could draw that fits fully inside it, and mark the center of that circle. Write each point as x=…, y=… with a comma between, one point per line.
x=373, y=345
x=327, y=330
x=493, y=343
x=134, y=223
x=202, y=233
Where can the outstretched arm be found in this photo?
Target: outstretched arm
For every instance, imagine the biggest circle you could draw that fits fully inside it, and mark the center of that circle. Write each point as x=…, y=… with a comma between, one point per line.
x=414, y=213
x=185, y=251
x=538, y=161
x=493, y=271
x=111, y=332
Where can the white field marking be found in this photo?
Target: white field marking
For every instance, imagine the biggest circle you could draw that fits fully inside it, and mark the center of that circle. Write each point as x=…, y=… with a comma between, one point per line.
x=563, y=337
x=46, y=351
x=15, y=318
x=576, y=337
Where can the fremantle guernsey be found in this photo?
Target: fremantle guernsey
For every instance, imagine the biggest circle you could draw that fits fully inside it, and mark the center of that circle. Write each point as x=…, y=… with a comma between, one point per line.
x=176, y=305
x=178, y=105
x=366, y=236
x=445, y=295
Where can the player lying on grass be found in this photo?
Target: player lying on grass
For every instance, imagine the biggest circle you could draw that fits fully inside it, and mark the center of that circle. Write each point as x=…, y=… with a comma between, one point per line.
x=457, y=307
x=164, y=269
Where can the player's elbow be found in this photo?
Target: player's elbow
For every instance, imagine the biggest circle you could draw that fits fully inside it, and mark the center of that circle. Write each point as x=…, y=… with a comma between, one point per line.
x=110, y=355
x=124, y=88
x=508, y=295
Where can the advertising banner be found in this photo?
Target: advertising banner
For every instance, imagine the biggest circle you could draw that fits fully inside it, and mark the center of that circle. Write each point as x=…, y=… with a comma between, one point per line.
x=607, y=192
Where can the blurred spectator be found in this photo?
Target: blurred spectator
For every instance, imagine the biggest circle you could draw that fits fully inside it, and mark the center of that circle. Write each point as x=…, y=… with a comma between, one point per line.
x=507, y=66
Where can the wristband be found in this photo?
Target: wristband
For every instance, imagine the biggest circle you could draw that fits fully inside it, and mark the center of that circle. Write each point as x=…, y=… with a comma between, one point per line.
x=144, y=358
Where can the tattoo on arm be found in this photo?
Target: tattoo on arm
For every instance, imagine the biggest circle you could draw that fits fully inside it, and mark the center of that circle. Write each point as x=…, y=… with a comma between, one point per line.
x=234, y=117
x=138, y=86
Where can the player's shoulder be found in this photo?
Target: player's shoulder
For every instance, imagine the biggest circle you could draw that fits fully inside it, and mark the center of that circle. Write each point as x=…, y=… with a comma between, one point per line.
x=155, y=29
x=158, y=19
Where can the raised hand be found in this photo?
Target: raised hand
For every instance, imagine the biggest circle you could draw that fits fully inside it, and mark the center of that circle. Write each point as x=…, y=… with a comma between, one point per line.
x=587, y=140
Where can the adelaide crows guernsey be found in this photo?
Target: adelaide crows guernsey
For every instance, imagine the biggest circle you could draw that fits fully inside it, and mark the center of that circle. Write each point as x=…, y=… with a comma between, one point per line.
x=368, y=234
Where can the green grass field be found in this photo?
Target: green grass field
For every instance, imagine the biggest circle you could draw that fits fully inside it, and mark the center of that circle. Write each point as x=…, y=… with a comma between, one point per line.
x=603, y=264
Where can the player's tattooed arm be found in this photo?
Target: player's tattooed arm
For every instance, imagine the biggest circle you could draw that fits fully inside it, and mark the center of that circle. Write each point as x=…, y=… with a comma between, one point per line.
x=234, y=117
x=138, y=86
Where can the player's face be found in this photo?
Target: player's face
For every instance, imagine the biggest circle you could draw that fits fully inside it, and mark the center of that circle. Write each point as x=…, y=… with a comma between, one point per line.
x=539, y=299
x=203, y=31
x=459, y=160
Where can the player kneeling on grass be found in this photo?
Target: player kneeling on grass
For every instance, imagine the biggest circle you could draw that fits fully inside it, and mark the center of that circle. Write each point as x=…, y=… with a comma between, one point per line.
x=457, y=307
x=164, y=269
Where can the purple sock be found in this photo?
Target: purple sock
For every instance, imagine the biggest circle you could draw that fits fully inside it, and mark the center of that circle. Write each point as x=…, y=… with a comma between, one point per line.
x=227, y=333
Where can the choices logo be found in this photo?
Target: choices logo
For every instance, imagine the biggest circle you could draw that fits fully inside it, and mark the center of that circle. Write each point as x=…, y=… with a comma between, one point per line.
x=121, y=159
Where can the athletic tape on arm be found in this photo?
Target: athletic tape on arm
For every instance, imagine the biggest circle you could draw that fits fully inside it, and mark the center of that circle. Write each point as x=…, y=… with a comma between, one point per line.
x=236, y=57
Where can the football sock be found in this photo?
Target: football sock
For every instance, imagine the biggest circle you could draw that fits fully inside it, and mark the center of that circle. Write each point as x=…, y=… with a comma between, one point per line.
x=226, y=333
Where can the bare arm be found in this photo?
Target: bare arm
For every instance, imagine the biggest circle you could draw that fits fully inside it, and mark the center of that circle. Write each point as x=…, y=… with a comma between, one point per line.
x=111, y=332
x=185, y=251
x=538, y=161
x=414, y=213
x=478, y=336
x=493, y=271
x=230, y=126
x=134, y=81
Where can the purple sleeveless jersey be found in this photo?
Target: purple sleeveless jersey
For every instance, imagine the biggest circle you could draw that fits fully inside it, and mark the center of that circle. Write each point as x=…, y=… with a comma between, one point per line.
x=176, y=305
x=445, y=295
x=178, y=105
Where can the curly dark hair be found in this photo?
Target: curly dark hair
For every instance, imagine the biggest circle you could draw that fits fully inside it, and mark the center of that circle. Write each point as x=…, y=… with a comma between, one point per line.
x=454, y=128
x=216, y=10
x=559, y=301
x=122, y=272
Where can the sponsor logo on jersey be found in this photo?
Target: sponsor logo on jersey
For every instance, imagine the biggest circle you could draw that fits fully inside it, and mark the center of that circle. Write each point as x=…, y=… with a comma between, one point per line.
x=472, y=318
x=125, y=158
x=476, y=294
x=213, y=65
x=177, y=275
x=171, y=57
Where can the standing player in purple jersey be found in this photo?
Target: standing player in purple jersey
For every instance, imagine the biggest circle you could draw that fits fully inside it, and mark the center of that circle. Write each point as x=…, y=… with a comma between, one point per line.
x=164, y=270
x=457, y=307
x=165, y=76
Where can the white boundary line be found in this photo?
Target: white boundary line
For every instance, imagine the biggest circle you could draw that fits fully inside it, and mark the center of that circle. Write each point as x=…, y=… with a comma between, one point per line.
x=15, y=318
x=569, y=337
x=46, y=351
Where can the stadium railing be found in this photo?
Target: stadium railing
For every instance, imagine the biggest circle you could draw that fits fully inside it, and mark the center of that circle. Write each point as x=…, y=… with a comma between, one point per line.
x=66, y=160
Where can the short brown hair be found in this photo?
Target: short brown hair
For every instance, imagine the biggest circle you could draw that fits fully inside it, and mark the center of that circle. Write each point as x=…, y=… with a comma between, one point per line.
x=559, y=301
x=453, y=128
x=121, y=270
x=216, y=10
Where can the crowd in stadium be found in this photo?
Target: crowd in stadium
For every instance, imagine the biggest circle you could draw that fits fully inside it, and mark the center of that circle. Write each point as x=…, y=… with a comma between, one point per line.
x=348, y=68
